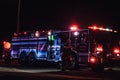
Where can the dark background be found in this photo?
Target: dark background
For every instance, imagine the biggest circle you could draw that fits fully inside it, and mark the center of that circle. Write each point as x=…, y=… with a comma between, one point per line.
x=57, y=14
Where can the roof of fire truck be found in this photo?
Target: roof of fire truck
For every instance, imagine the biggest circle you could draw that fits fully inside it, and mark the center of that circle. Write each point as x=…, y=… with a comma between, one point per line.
x=73, y=29
x=31, y=33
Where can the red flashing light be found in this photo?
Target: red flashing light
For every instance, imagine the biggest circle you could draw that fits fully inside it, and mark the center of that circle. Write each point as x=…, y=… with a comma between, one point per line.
x=92, y=59
x=99, y=48
x=74, y=28
x=101, y=28
x=6, y=45
x=116, y=50
x=94, y=27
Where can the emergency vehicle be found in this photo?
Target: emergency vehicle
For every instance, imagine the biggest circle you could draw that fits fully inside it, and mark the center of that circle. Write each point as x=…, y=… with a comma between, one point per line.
x=96, y=47
x=27, y=47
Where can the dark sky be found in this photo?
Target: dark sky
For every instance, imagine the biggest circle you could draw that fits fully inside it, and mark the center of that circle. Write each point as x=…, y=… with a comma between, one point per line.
x=57, y=14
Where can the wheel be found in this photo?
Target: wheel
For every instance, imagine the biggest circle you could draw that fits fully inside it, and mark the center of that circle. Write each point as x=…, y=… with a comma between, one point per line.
x=22, y=59
x=31, y=59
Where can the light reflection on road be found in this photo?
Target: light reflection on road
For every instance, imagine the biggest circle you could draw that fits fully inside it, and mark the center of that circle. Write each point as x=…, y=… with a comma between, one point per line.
x=57, y=73
x=46, y=73
x=5, y=69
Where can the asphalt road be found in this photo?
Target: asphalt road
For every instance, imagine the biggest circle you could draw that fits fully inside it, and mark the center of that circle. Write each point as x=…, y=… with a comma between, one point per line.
x=7, y=73
x=50, y=72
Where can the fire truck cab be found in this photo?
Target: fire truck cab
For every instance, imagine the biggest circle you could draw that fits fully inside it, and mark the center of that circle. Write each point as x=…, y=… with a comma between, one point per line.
x=97, y=47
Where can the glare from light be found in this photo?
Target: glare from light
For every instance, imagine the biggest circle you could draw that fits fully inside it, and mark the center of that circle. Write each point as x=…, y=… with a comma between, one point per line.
x=49, y=33
x=76, y=33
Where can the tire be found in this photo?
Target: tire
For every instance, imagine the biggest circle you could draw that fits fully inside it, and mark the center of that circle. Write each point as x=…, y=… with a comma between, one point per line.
x=22, y=59
x=31, y=59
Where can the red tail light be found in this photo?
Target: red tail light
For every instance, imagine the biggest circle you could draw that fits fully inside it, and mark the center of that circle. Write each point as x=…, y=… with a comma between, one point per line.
x=99, y=48
x=116, y=50
x=93, y=59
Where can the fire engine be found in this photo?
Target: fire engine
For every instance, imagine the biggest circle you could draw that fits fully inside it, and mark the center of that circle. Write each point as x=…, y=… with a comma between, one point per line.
x=96, y=47
x=27, y=47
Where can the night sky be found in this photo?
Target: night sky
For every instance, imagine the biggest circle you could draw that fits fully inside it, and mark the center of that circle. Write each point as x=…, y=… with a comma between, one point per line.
x=57, y=14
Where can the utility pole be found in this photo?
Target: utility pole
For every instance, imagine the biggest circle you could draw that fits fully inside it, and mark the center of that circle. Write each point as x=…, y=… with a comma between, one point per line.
x=18, y=18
